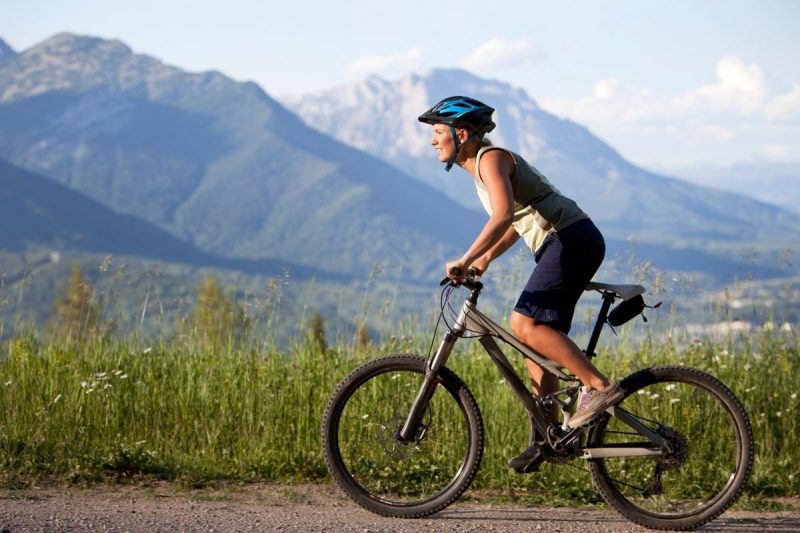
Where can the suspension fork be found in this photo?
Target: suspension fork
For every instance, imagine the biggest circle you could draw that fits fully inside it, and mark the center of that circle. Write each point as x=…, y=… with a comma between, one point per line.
x=429, y=383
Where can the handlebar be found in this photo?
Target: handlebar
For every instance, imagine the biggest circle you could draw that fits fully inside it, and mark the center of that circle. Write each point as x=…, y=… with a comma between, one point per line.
x=471, y=281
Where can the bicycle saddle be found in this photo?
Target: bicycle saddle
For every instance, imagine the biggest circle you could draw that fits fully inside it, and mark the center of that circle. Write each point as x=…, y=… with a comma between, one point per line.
x=626, y=292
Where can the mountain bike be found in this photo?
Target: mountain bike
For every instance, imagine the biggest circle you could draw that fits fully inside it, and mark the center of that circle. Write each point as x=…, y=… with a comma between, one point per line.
x=403, y=435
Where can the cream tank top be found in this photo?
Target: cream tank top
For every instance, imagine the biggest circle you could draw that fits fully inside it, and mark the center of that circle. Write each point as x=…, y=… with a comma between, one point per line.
x=539, y=209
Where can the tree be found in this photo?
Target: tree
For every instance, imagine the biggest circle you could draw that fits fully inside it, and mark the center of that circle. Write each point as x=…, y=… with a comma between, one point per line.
x=76, y=314
x=217, y=319
x=316, y=332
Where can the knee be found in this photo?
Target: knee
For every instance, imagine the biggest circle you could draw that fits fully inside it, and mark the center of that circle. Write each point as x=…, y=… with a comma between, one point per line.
x=520, y=324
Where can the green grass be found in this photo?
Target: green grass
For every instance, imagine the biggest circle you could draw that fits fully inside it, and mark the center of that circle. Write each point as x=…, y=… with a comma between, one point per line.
x=120, y=409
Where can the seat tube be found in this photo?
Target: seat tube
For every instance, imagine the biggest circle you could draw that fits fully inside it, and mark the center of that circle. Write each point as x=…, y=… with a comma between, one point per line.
x=608, y=299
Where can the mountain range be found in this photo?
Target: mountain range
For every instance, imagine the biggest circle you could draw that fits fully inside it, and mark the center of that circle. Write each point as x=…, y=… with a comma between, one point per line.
x=218, y=172
x=214, y=162
x=379, y=117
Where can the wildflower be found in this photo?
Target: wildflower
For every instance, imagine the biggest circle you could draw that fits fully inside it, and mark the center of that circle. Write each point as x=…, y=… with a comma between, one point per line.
x=671, y=387
x=793, y=396
x=9, y=382
x=147, y=350
x=107, y=386
x=84, y=384
x=56, y=399
x=124, y=376
x=364, y=417
x=779, y=414
x=674, y=400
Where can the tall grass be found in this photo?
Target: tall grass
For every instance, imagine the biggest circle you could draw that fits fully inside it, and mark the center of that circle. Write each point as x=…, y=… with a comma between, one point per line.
x=119, y=409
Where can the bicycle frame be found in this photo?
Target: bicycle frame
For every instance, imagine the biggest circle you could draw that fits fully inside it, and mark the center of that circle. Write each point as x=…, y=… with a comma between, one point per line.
x=473, y=320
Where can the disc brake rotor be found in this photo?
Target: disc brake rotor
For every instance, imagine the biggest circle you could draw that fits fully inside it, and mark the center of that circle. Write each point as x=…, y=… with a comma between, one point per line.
x=393, y=447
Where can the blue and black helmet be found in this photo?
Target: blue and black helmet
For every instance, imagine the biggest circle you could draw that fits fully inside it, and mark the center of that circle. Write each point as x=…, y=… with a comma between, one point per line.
x=461, y=112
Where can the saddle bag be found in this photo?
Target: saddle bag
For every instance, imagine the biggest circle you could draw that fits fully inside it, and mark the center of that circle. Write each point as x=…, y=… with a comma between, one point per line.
x=626, y=310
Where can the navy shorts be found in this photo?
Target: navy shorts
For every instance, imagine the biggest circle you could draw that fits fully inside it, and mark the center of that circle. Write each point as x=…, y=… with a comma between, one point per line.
x=565, y=263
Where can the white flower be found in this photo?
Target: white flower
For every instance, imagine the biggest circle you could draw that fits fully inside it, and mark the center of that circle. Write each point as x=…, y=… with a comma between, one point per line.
x=671, y=386
x=8, y=383
x=674, y=400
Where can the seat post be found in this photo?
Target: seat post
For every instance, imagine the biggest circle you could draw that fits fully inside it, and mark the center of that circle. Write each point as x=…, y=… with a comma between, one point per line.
x=608, y=299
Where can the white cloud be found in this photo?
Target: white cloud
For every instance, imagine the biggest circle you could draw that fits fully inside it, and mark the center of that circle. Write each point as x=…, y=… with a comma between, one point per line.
x=732, y=118
x=500, y=53
x=739, y=89
x=606, y=89
x=784, y=106
x=399, y=63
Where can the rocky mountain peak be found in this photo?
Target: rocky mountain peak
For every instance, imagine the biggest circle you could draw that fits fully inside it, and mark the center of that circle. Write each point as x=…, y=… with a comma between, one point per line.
x=6, y=51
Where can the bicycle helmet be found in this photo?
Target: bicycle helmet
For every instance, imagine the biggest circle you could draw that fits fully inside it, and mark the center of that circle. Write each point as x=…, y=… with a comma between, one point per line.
x=460, y=112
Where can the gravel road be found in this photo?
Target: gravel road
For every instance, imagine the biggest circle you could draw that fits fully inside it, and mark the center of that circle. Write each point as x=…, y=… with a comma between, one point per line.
x=302, y=508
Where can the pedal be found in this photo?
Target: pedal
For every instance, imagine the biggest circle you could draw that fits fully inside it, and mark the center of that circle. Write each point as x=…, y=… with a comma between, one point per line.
x=531, y=467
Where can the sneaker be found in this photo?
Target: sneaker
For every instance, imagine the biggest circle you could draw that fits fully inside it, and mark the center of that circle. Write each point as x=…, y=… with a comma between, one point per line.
x=594, y=402
x=527, y=461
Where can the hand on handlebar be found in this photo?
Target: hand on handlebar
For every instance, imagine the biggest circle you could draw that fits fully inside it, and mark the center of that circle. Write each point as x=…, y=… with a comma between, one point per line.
x=456, y=276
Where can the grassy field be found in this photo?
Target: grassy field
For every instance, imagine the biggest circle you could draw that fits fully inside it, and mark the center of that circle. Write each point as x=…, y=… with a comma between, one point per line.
x=182, y=410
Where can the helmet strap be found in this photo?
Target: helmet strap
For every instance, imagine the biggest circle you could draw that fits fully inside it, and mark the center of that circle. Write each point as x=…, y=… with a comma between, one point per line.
x=457, y=144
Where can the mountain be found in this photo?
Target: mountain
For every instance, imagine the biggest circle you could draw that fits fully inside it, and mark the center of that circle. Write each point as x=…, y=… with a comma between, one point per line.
x=771, y=182
x=215, y=162
x=667, y=215
x=38, y=213
x=6, y=52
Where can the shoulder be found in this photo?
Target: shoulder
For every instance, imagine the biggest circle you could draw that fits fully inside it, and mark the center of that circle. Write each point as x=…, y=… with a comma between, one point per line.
x=496, y=159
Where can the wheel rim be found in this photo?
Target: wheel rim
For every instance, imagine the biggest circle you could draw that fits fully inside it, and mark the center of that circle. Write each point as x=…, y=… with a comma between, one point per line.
x=706, y=456
x=395, y=473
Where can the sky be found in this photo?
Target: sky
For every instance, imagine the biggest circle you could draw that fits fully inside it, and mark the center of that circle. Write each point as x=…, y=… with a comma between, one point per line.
x=670, y=85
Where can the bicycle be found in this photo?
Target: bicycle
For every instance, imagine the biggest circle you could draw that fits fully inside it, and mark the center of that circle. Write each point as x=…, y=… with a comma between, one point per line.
x=674, y=453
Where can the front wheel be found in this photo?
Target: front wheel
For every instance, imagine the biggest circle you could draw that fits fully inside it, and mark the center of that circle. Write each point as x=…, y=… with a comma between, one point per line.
x=706, y=462
x=376, y=468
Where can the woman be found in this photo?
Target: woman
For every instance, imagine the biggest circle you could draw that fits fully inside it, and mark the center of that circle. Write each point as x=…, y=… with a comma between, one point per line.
x=567, y=247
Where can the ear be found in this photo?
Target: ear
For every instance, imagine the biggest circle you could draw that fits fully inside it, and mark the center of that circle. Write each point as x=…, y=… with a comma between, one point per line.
x=463, y=134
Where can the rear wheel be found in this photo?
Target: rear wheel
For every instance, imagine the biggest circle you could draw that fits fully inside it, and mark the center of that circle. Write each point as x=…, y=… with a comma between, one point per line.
x=710, y=456
x=378, y=470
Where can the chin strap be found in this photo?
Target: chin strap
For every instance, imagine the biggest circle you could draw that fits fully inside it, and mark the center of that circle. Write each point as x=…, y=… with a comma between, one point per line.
x=457, y=146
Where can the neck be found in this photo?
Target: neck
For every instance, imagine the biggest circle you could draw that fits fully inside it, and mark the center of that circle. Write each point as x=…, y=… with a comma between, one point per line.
x=467, y=157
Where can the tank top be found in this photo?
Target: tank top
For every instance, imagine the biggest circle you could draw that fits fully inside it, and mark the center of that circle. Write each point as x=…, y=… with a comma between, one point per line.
x=539, y=209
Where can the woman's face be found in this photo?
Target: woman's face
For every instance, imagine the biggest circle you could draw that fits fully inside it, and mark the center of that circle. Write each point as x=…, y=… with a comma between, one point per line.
x=443, y=141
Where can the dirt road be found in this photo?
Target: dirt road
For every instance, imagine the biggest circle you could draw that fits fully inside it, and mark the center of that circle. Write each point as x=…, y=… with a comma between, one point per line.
x=302, y=508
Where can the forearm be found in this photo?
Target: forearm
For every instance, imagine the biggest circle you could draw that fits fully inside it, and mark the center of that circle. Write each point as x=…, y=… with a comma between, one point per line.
x=500, y=247
x=493, y=234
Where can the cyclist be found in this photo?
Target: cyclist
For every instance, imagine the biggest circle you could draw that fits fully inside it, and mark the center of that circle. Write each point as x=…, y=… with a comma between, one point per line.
x=567, y=248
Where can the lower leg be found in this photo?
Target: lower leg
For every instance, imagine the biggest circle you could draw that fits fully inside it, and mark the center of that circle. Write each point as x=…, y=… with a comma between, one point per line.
x=543, y=383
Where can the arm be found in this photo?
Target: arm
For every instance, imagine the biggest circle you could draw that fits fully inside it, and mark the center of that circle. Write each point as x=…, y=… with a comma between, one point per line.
x=506, y=241
x=496, y=168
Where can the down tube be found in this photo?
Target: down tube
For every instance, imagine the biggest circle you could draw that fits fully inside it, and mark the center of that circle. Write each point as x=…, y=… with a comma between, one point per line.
x=516, y=384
